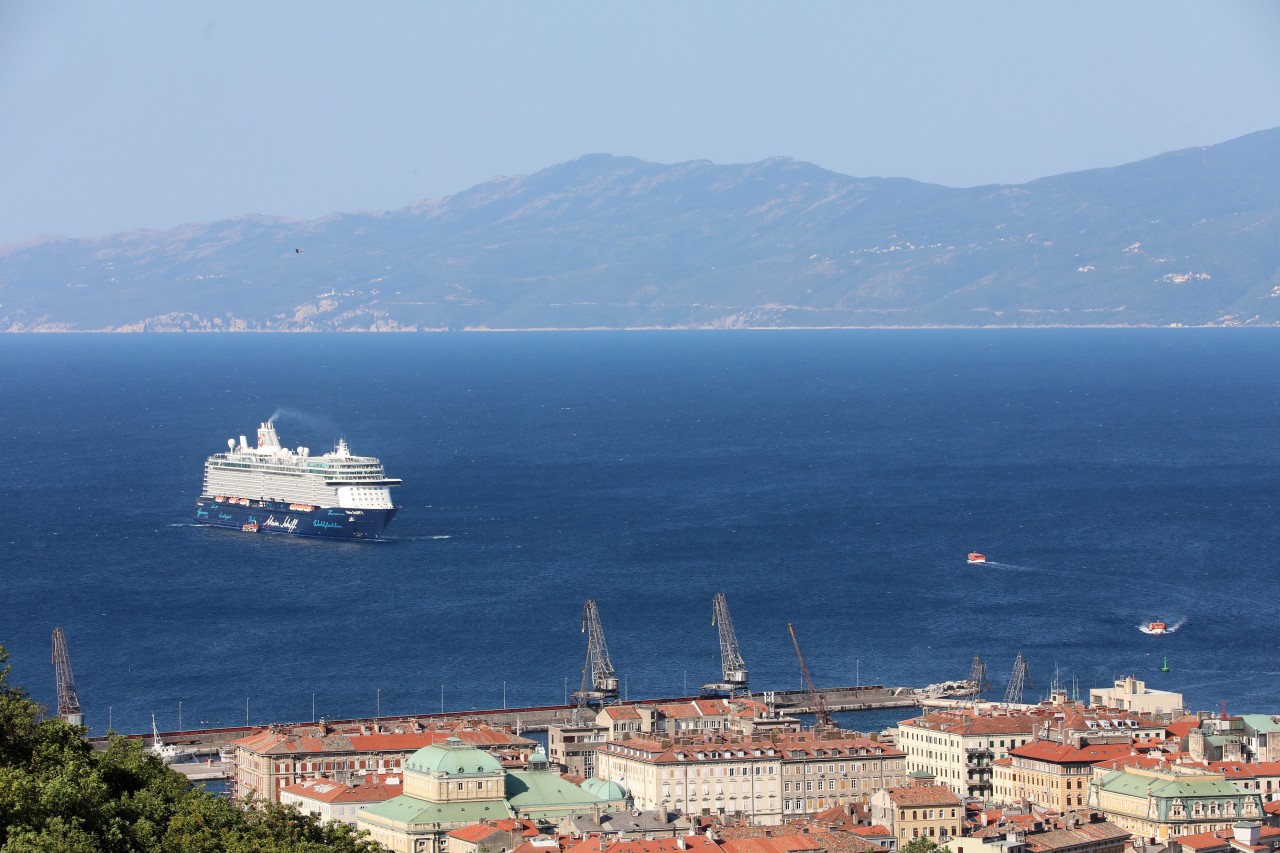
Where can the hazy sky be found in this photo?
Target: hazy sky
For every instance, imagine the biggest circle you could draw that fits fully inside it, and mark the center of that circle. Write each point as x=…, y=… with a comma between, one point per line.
x=149, y=114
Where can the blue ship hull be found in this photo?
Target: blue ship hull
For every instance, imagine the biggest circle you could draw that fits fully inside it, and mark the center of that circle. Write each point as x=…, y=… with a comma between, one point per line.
x=271, y=517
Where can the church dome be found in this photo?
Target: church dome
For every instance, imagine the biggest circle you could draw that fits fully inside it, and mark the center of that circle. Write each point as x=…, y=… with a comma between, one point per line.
x=604, y=789
x=453, y=758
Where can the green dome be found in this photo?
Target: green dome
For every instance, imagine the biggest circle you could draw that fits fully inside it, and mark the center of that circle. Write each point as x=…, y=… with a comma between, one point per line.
x=604, y=789
x=453, y=758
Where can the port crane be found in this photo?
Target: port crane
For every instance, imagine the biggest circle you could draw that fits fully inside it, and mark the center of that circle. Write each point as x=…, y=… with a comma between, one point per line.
x=733, y=670
x=820, y=712
x=979, y=683
x=1020, y=679
x=68, y=701
x=599, y=683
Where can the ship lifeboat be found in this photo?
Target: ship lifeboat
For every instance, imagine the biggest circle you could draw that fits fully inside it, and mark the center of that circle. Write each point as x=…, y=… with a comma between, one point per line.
x=249, y=528
x=1157, y=628
x=301, y=507
x=975, y=557
x=220, y=498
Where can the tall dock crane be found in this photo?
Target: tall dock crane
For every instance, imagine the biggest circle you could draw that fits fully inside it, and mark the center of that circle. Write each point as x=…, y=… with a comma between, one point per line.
x=815, y=698
x=68, y=701
x=1020, y=679
x=733, y=670
x=978, y=681
x=599, y=684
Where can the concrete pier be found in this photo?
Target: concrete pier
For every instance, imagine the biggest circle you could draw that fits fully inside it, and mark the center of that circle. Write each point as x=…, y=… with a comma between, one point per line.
x=533, y=719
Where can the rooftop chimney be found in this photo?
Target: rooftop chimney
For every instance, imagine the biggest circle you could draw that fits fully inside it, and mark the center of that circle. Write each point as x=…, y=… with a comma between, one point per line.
x=1248, y=832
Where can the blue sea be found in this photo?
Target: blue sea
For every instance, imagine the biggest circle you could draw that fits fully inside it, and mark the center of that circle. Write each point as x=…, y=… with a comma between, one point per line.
x=831, y=480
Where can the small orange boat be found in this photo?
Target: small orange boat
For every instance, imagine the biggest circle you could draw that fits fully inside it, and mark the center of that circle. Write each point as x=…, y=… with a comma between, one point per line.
x=1157, y=628
x=975, y=557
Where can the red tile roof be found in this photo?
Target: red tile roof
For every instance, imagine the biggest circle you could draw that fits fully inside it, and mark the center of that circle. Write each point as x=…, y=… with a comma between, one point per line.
x=694, y=843
x=374, y=789
x=1222, y=838
x=720, y=747
x=1057, y=753
x=923, y=795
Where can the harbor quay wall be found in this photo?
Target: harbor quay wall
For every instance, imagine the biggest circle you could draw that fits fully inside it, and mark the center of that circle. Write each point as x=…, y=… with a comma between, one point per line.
x=537, y=718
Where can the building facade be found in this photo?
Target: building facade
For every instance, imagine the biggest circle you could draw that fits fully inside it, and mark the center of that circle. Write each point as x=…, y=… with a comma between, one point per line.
x=1158, y=804
x=451, y=785
x=758, y=779
x=1130, y=694
x=276, y=757
x=335, y=801
x=960, y=748
x=921, y=809
x=1050, y=774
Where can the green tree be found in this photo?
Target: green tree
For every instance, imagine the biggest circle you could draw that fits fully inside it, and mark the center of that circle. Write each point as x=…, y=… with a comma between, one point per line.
x=920, y=845
x=57, y=795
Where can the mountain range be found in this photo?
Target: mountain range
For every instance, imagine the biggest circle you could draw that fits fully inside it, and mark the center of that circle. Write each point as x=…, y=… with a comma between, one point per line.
x=1187, y=238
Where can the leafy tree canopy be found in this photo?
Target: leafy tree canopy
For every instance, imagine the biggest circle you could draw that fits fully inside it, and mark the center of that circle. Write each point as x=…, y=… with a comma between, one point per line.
x=57, y=795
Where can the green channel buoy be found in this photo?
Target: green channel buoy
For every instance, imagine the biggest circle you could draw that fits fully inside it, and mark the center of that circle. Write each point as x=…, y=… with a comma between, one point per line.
x=1165, y=668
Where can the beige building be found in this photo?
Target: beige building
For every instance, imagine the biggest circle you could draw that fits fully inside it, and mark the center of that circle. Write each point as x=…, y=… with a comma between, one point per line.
x=959, y=748
x=755, y=778
x=273, y=758
x=921, y=809
x=573, y=745
x=1130, y=694
x=1161, y=803
x=1050, y=774
x=335, y=801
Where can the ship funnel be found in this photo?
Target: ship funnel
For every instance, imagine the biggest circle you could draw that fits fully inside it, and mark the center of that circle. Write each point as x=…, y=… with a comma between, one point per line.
x=267, y=439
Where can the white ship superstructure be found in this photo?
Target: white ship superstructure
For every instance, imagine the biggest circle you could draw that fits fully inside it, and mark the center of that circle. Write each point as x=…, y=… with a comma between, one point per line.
x=289, y=490
x=270, y=472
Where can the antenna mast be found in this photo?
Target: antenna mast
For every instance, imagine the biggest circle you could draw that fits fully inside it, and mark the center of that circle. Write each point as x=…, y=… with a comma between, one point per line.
x=733, y=670
x=1020, y=679
x=815, y=698
x=599, y=684
x=68, y=701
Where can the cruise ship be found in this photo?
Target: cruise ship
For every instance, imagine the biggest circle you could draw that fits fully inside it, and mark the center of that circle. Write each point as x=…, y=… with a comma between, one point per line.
x=273, y=489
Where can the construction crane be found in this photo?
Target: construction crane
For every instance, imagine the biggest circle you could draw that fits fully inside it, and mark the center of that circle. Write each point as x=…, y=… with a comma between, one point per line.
x=978, y=681
x=733, y=670
x=599, y=684
x=68, y=701
x=1020, y=680
x=815, y=698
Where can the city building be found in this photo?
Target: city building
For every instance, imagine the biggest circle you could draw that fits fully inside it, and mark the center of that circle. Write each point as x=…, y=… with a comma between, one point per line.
x=627, y=825
x=921, y=809
x=1071, y=833
x=1262, y=736
x=1262, y=777
x=337, y=801
x=959, y=747
x=451, y=785
x=1050, y=774
x=798, y=837
x=1130, y=694
x=679, y=844
x=490, y=836
x=1242, y=837
x=1157, y=804
x=754, y=778
x=271, y=759
x=573, y=744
